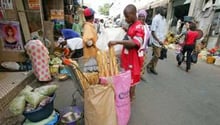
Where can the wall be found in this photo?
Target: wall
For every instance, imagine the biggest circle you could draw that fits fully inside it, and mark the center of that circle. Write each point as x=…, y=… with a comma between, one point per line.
x=11, y=15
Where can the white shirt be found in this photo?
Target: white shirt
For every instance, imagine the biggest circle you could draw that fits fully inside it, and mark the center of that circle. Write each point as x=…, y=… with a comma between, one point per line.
x=159, y=26
x=75, y=43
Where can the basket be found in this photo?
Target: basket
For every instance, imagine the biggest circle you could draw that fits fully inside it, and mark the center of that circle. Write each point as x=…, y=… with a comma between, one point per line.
x=70, y=120
x=58, y=51
x=54, y=69
x=210, y=60
x=41, y=112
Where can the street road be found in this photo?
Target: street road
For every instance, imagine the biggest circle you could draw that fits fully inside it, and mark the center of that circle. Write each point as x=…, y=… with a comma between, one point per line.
x=175, y=97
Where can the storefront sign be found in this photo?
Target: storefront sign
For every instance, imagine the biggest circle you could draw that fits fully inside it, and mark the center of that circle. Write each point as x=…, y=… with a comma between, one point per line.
x=11, y=36
x=34, y=4
x=56, y=14
x=6, y=4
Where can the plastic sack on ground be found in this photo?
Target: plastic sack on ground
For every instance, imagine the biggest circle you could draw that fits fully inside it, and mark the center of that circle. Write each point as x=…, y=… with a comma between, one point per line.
x=25, y=90
x=17, y=105
x=10, y=65
x=46, y=90
x=99, y=105
x=217, y=61
x=122, y=83
x=34, y=98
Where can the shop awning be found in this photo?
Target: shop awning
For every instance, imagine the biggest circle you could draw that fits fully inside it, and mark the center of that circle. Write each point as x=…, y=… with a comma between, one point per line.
x=152, y=4
x=159, y=3
x=180, y=2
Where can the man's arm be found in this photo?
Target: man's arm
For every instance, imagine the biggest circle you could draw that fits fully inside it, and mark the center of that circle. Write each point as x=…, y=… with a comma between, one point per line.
x=155, y=37
x=128, y=44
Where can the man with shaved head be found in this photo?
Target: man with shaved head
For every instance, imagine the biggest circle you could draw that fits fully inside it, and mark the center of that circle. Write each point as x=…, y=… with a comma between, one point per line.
x=131, y=59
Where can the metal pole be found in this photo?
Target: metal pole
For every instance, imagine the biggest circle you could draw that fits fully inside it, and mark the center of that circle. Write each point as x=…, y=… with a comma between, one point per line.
x=42, y=21
x=82, y=2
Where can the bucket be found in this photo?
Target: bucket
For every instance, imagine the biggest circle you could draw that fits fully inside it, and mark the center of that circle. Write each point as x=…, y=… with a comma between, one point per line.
x=210, y=60
x=41, y=112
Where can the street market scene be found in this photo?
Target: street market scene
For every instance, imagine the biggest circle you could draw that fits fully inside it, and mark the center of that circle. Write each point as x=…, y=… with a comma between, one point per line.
x=109, y=62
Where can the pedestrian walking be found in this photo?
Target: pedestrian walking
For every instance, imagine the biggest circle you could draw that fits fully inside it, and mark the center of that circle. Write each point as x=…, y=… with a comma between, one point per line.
x=39, y=56
x=158, y=33
x=142, y=15
x=189, y=45
x=89, y=34
x=102, y=27
x=130, y=58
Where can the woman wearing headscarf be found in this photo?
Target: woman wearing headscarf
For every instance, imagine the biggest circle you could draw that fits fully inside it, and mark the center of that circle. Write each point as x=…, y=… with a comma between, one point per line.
x=142, y=15
x=39, y=56
x=89, y=34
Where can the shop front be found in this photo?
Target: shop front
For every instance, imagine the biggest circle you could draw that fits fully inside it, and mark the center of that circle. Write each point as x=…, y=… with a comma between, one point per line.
x=27, y=19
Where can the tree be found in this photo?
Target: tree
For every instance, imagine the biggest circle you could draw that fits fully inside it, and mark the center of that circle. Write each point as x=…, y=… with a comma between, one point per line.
x=104, y=10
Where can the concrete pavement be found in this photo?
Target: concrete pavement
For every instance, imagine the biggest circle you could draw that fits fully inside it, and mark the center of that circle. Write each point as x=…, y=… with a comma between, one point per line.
x=175, y=97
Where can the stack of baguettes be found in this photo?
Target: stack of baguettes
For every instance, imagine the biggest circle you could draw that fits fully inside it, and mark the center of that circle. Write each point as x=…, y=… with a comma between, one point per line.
x=107, y=66
x=107, y=63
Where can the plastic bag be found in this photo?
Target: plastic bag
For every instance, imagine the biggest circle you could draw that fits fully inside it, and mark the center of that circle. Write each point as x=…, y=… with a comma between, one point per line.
x=46, y=90
x=25, y=90
x=11, y=65
x=121, y=83
x=34, y=98
x=163, y=53
x=194, y=57
x=91, y=65
x=179, y=57
x=17, y=105
x=99, y=105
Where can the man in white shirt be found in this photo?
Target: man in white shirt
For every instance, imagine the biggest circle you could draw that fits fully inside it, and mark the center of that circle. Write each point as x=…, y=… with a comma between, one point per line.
x=73, y=42
x=76, y=47
x=158, y=33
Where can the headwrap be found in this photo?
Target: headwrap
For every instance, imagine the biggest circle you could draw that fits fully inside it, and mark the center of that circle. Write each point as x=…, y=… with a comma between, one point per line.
x=88, y=12
x=69, y=33
x=142, y=13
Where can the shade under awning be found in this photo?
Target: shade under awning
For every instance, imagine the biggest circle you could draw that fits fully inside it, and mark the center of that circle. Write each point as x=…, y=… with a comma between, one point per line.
x=159, y=3
x=152, y=4
x=180, y=2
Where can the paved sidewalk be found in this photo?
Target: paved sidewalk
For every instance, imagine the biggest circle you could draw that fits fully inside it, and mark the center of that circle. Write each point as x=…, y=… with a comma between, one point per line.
x=11, y=83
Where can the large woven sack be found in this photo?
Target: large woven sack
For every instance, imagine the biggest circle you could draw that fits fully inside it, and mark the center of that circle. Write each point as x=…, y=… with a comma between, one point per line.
x=99, y=105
